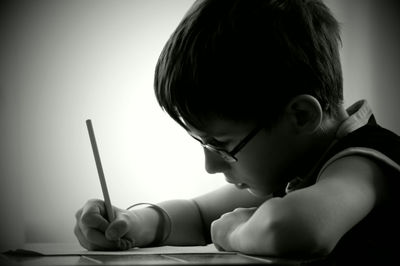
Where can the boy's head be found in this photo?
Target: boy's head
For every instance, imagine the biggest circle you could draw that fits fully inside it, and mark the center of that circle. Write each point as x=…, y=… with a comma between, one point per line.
x=244, y=60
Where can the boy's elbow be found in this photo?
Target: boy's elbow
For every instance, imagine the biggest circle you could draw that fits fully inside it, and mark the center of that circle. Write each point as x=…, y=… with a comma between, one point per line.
x=285, y=236
x=300, y=241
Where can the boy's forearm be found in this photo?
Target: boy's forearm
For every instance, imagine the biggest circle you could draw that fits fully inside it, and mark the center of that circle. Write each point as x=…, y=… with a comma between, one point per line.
x=273, y=231
x=191, y=219
x=186, y=223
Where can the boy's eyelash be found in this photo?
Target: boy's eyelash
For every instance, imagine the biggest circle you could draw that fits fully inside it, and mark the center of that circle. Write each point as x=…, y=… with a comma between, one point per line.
x=213, y=142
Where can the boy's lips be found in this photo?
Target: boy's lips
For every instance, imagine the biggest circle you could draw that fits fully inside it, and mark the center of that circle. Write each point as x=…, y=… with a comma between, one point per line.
x=241, y=186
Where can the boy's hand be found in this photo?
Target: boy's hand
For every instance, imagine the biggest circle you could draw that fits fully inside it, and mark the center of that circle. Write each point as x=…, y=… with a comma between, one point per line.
x=224, y=229
x=94, y=232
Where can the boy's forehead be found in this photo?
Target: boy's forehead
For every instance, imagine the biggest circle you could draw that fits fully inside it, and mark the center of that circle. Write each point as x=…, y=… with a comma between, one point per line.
x=218, y=128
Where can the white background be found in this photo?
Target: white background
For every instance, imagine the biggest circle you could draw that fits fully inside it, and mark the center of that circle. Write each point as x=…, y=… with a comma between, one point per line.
x=62, y=62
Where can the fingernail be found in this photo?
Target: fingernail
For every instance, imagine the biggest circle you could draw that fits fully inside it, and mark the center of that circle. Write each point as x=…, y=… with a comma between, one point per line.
x=130, y=243
x=125, y=244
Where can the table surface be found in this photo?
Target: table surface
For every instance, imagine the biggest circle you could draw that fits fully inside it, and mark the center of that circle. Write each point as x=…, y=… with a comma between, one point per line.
x=61, y=254
x=170, y=259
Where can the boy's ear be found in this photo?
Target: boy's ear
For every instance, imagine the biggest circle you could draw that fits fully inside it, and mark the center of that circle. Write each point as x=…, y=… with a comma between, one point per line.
x=305, y=113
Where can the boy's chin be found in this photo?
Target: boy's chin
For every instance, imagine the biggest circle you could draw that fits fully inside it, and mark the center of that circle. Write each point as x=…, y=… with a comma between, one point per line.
x=258, y=193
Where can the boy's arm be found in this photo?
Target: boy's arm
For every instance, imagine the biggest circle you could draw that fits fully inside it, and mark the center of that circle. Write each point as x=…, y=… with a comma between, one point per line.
x=308, y=221
x=191, y=219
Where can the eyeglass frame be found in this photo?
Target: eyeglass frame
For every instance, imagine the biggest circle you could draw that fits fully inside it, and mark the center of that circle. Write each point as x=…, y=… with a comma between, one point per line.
x=229, y=156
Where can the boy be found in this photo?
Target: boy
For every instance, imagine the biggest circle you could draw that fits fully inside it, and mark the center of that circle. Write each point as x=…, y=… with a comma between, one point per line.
x=259, y=84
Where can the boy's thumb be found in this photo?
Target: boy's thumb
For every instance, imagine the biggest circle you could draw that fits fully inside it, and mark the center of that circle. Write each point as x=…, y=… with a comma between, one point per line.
x=116, y=230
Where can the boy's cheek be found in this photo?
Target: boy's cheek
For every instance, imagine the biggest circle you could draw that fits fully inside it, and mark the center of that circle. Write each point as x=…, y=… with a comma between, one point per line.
x=258, y=193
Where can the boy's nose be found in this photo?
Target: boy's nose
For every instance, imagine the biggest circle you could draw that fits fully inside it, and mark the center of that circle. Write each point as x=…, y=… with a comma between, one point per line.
x=214, y=163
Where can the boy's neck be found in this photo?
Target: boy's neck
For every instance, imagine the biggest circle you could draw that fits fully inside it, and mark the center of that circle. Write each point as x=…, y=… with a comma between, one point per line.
x=320, y=142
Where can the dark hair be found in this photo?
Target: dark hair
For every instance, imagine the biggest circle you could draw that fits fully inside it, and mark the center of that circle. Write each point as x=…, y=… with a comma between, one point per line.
x=246, y=59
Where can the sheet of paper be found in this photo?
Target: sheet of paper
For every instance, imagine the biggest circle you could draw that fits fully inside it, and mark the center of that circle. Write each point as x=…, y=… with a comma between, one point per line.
x=53, y=249
x=207, y=255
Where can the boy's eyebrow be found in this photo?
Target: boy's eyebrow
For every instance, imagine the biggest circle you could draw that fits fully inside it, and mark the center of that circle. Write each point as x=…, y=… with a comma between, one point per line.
x=204, y=134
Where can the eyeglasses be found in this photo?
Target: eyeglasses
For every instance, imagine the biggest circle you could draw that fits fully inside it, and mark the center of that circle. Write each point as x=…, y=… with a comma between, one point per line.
x=229, y=156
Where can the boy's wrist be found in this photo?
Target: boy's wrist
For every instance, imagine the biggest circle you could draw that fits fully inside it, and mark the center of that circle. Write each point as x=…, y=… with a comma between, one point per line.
x=155, y=225
x=142, y=224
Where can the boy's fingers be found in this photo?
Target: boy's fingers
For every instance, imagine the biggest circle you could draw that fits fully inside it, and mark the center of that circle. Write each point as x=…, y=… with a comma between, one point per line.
x=91, y=216
x=125, y=244
x=118, y=228
x=82, y=240
x=78, y=214
x=97, y=239
x=85, y=242
x=91, y=225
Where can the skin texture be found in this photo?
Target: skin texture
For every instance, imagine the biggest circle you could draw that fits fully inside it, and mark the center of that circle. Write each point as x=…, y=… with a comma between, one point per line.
x=306, y=222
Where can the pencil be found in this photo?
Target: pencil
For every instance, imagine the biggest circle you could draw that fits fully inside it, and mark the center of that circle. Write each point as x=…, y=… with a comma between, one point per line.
x=107, y=201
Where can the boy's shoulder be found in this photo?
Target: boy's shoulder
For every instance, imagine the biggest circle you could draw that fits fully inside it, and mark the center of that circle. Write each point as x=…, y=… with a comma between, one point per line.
x=372, y=141
x=359, y=135
x=368, y=239
x=372, y=135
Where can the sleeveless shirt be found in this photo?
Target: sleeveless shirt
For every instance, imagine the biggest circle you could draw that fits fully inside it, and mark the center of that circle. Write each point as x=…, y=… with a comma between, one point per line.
x=374, y=240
